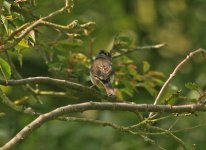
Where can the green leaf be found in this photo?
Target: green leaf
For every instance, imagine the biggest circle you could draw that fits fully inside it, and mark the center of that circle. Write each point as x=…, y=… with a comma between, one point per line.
x=20, y=58
x=2, y=114
x=23, y=43
x=122, y=42
x=5, y=70
x=7, y=5
x=192, y=86
x=146, y=66
x=4, y=22
x=150, y=87
x=32, y=39
x=125, y=39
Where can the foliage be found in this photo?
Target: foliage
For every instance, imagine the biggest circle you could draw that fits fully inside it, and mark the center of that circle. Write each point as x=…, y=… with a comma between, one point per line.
x=63, y=46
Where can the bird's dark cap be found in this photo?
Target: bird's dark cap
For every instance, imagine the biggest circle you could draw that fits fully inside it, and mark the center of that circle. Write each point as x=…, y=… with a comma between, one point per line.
x=104, y=53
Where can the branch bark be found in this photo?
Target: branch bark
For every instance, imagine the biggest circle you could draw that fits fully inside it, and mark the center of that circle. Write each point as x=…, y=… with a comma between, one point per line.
x=35, y=80
x=131, y=107
x=140, y=48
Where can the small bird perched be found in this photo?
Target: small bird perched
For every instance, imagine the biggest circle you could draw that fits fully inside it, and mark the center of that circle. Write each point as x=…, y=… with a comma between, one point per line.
x=101, y=71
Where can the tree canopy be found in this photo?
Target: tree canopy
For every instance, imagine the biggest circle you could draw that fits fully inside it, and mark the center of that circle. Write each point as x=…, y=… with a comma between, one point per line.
x=158, y=56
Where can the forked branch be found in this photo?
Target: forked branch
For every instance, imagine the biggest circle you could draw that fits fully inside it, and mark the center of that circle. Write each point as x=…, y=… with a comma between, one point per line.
x=131, y=107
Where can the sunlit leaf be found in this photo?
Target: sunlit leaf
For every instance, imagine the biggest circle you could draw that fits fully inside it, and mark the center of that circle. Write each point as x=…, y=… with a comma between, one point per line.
x=7, y=5
x=119, y=94
x=125, y=40
x=32, y=38
x=149, y=86
x=156, y=74
x=10, y=17
x=157, y=81
x=78, y=58
x=129, y=87
x=24, y=43
x=20, y=58
x=2, y=114
x=19, y=19
x=146, y=66
x=21, y=100
x=4, y=22
x=61, y=58
x=5, y=70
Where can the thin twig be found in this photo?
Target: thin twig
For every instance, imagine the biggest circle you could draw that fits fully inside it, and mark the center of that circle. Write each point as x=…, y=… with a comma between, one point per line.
x=146, y=120
x=23, y=34
x=152, y=142
x=171, y=135
x=16, y=32
x=113, y=125
x=140, y=48
x=50, y=93
x=96, y=122
x=189, y=128
x=172, y=75
x=173, y=124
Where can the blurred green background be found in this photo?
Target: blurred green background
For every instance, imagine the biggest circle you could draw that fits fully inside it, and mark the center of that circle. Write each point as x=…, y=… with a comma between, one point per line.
x=178, y=23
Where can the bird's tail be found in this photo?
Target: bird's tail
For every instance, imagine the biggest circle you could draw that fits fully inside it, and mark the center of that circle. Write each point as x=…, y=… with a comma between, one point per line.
x=109, y=89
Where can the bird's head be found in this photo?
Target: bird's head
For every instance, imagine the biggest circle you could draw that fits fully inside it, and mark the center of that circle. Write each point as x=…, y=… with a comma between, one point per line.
x=103, y=54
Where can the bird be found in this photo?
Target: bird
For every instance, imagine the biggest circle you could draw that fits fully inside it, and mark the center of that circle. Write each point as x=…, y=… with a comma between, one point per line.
x=101, y=71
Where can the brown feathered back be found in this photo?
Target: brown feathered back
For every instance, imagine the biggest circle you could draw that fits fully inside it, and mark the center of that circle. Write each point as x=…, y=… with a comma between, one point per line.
x=101, y=70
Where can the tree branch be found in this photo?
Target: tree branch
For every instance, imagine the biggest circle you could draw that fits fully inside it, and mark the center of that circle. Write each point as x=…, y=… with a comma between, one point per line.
x=21, y=28
x=50, y=93
x=48, y=80
x=114, y=126
x=131, y=107
x=169, y=133
x=30, y=26
x=172, y=75
x=68, y=27
x=140, y=48
x=63, y=83
x=17, y=75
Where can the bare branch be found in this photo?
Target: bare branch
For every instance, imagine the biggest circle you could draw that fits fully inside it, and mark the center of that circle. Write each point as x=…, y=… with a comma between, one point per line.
x=24, y=33
x=50, y=93
x=131, y=107
x=73, y=25
x=17, y=31
x=48, y=80
x=172, y=75
x=114, y=126
x=169, y=133
x=140, y=48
